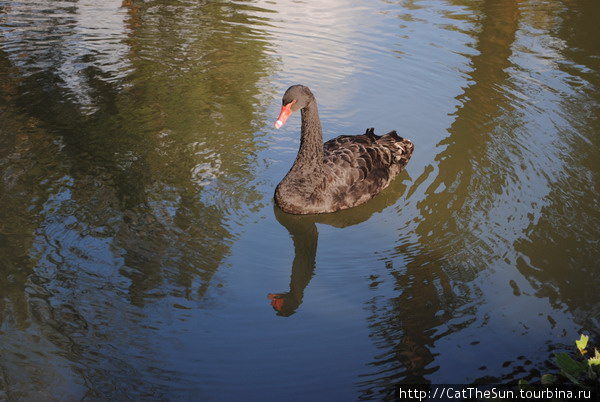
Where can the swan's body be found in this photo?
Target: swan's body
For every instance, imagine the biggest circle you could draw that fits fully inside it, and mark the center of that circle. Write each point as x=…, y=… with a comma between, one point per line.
x=342, y=173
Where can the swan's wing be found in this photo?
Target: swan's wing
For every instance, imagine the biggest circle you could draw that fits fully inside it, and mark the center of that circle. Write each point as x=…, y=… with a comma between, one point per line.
x=352, y=159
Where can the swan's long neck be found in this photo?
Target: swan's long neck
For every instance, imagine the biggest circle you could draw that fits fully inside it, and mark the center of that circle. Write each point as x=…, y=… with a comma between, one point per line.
x=311, y=137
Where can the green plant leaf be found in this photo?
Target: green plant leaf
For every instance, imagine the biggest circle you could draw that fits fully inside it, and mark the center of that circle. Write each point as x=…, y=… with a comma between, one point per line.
x=569, y=367
x=572, y=379
x=591, y=374
x=582, y=344
x=524, y=385
x=548, y=379
x=595, y=361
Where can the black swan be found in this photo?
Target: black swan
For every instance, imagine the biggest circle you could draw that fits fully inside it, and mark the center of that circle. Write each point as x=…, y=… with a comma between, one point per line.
x=342, y=173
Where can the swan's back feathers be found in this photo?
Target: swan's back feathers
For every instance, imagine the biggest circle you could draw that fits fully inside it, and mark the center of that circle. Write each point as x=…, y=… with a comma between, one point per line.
x=357, y=167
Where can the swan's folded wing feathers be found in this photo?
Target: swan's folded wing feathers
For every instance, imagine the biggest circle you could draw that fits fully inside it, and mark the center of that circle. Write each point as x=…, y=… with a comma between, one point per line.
x=366, y=157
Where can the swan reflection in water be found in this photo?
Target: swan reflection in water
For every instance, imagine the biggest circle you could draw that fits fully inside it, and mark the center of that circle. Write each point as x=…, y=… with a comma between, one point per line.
x=304, y=234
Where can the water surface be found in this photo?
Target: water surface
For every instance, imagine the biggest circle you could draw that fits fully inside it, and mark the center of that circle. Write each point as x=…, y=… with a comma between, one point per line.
x=142, y=257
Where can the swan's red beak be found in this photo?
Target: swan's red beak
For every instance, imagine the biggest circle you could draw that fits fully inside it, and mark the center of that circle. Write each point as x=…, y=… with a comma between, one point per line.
x=276, y=300
x=286, y=111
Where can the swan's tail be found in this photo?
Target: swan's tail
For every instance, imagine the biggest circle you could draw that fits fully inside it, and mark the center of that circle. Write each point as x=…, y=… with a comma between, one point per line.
x=401, y=148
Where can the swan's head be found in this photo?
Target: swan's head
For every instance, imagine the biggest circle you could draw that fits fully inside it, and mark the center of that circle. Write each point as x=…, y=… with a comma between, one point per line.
x=296, y=97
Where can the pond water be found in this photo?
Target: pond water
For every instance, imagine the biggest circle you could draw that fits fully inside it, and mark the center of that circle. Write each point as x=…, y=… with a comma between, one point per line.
x=141, y=254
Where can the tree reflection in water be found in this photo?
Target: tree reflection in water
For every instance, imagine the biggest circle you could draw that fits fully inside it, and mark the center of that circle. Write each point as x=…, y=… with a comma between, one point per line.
x=433, y=290
x=483, y=210
x=116, y=194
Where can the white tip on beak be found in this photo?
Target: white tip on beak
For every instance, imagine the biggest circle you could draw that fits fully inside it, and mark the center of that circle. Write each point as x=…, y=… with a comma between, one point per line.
x=278, y=124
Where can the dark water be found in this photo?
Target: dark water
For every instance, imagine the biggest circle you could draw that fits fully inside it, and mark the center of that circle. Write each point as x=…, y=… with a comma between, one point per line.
x=138, y=237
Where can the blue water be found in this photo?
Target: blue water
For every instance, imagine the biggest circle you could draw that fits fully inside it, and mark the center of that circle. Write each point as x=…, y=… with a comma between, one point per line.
x=143, y=258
